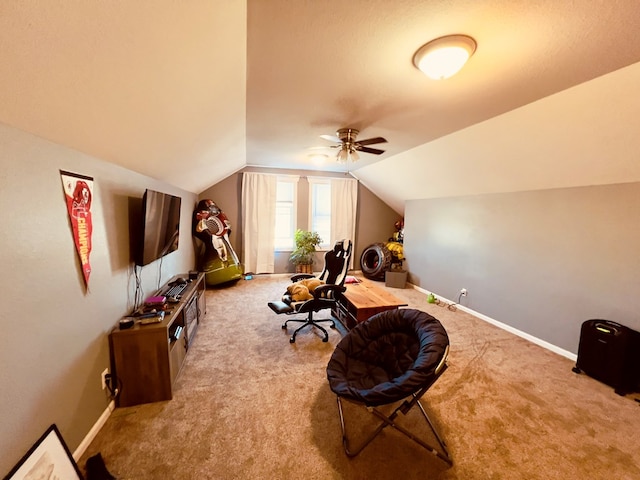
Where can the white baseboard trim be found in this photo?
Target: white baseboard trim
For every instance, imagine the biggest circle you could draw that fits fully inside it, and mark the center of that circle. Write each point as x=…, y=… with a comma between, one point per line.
x=94, y=431
x=508, y=328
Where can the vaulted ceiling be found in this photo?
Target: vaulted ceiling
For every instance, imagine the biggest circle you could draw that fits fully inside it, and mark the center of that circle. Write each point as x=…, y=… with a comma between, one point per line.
x=189, y=92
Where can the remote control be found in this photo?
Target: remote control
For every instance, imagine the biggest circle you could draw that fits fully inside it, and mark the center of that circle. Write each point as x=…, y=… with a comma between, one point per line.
x=149, y=320
x=156, y=318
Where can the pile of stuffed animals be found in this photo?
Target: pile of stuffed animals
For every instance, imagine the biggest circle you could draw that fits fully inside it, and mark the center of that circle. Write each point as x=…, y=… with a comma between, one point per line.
x=302, y=290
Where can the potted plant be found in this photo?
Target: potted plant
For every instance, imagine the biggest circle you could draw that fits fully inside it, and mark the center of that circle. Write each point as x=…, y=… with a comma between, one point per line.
x=302, y=257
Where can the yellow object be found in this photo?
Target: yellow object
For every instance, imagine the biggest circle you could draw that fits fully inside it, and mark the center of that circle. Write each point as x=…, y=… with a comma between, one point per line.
x=396, y=249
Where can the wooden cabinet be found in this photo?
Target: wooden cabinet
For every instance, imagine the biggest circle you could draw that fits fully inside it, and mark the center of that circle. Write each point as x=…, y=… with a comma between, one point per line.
x=147, y=359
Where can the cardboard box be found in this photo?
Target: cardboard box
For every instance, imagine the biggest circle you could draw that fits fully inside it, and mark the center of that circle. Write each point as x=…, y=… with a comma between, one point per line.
x=395, y=278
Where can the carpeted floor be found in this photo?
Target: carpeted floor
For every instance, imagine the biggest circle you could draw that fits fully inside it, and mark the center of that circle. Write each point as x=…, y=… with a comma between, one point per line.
x=250, y=405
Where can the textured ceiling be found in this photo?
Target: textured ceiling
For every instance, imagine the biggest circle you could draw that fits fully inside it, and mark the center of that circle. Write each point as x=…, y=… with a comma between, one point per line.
x=316, y=66
x=189, y=92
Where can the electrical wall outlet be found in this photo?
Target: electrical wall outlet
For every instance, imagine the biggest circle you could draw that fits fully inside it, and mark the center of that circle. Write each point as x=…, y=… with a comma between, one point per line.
x=463, y=292
x=104, y=378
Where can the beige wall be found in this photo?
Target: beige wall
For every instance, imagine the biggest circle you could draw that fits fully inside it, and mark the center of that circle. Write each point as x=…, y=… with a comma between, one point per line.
x=375, y=219
x=55, y=346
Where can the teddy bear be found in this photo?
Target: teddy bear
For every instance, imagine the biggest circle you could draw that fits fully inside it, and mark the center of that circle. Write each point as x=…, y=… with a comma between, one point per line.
x=302, y=290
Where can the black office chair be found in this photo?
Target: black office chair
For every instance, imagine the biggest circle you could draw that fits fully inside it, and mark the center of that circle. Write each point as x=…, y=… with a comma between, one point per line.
x=336, y=264
x=393, y=356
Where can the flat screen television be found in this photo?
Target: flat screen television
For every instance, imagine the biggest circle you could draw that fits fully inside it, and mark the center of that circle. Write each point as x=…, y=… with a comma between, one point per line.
x=160, y=226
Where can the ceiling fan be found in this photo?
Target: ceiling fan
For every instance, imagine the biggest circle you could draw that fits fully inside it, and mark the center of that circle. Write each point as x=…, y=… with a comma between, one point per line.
x=349, y=146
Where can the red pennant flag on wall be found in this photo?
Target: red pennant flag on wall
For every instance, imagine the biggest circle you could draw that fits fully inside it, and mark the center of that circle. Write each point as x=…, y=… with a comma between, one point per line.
x=78, y=190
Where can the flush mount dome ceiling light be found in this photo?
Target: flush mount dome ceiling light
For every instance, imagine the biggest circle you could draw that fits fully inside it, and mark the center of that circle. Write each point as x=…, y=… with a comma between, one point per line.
x=318, y=157
x=445, y=56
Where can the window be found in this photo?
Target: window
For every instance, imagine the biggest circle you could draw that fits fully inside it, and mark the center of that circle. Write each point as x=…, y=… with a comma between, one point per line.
x=286, y=200
x=332, y=205
x=320, y=210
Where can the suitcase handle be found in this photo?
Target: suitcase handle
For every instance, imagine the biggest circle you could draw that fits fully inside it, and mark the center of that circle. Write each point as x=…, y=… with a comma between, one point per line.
x=606, y=328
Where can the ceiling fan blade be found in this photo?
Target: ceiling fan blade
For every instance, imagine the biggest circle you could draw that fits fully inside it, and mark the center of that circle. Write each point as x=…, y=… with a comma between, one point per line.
x=375, y=151
x=324, y=147
x=331, y=138
x=371, y=141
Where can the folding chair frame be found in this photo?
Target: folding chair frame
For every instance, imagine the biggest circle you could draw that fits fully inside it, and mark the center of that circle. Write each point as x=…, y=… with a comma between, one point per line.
x=388, y=421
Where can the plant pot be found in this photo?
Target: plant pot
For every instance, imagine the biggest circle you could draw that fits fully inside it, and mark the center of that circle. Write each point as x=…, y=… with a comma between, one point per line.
x=304, y=268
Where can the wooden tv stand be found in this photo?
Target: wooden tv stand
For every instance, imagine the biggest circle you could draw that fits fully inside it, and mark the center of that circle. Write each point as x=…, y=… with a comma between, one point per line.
x=147, y=359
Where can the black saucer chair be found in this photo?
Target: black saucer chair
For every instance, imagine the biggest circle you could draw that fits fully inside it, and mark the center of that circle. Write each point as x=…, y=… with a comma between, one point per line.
x=336, y=264
x=395, y=355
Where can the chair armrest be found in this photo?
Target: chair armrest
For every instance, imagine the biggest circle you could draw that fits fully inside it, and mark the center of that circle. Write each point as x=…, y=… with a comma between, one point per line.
x=328, y=290
x=300, y=276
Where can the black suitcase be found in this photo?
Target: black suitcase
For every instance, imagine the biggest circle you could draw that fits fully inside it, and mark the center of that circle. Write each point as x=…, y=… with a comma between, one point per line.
x=610, y=353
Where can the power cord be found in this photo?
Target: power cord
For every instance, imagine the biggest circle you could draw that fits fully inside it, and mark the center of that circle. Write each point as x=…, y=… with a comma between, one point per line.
x=137, y=299
x=113, y=385
x=160, y=272
x=450, y=306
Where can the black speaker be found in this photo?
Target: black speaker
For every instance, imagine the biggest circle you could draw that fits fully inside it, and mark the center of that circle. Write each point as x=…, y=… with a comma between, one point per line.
x=610, y=353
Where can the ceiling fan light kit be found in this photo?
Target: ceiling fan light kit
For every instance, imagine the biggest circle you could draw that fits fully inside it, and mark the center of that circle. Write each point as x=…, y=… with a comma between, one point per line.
x=445, y=56
x=346, y=154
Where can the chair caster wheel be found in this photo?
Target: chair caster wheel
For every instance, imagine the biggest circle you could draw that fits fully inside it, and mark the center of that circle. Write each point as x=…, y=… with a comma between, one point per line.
x=284, y=326
x=325, y=339
x=292, y=340
x=333, y=325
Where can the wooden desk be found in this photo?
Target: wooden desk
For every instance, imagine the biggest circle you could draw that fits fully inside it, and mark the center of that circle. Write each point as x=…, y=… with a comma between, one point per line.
x=361, y=301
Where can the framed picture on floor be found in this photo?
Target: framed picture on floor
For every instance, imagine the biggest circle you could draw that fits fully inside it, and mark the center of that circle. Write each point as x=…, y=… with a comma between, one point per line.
x=48, y=459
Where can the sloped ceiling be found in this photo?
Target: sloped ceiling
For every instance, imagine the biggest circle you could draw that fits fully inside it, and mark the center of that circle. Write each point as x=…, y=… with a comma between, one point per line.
x=189, y=92
x=158, y=87
x=586, y=135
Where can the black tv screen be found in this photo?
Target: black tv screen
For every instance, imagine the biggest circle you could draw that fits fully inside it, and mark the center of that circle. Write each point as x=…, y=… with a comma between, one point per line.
x=160, y=226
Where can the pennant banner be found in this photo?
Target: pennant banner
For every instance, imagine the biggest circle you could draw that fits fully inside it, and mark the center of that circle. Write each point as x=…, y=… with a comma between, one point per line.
x=78, y=191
